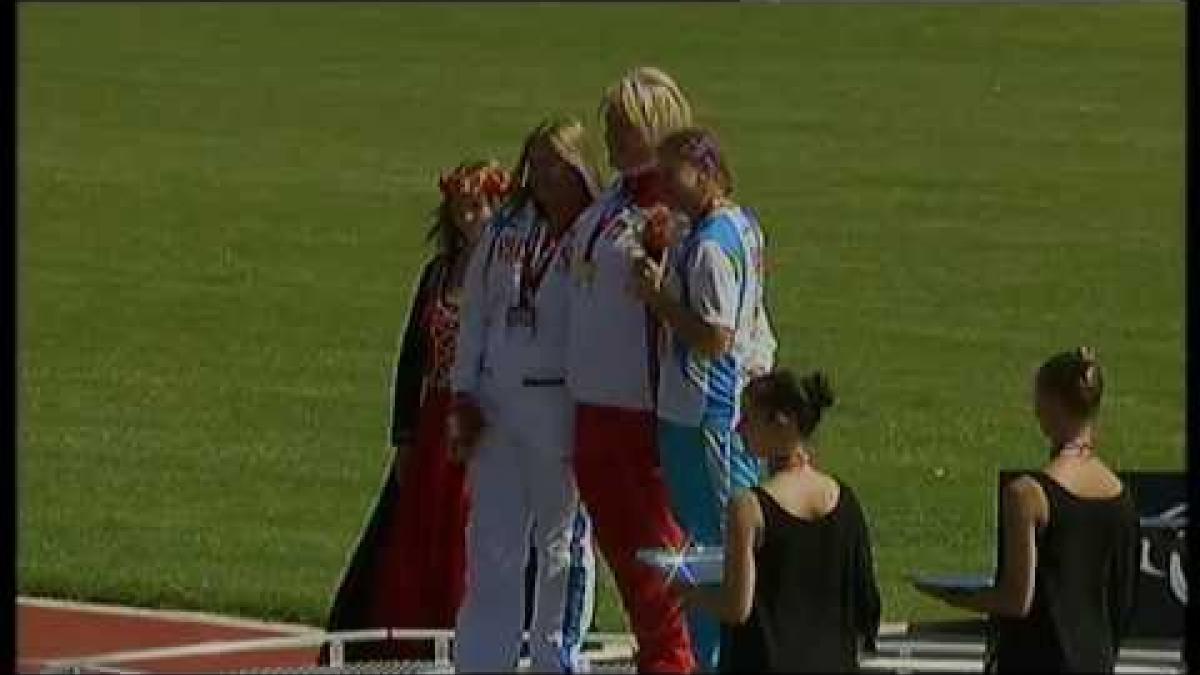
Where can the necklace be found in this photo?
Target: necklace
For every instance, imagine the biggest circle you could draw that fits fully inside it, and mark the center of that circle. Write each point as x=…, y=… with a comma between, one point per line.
x=1078, y=447
x=798, y=460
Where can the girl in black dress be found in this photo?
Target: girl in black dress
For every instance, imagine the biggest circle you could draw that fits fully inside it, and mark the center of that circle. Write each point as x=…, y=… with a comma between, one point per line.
x=408, y=568
x=1063, y=595
x=799, y=591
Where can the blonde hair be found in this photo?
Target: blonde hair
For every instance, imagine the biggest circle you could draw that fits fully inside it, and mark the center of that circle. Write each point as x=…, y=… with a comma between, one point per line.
x=650, y=100
x=567, y=137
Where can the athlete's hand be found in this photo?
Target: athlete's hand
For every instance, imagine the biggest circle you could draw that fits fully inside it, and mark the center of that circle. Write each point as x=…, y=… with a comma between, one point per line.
x=464, y=427
x=658, y=232
x=647, y=279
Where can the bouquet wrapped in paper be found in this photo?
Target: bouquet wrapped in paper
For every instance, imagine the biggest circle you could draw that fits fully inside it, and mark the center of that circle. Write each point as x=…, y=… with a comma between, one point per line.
x=648, y=231
x=657, y=231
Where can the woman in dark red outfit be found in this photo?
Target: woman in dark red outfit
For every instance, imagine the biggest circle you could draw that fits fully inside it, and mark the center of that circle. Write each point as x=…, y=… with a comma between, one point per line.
x=408, y=568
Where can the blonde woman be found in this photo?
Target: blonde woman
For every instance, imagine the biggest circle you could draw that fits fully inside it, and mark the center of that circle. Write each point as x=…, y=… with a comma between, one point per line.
x=512, y=420
x=611, y=352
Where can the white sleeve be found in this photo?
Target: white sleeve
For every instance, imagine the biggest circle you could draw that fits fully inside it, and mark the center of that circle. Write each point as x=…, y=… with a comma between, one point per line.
x=713, y=286
x=468, y=355
x=763, y=344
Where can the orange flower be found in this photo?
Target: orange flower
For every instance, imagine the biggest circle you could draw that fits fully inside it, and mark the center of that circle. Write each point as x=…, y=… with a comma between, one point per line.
x=490, y=180
x=656, y=236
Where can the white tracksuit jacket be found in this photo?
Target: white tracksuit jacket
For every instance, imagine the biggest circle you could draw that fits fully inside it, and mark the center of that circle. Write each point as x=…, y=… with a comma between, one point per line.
x=520, y=475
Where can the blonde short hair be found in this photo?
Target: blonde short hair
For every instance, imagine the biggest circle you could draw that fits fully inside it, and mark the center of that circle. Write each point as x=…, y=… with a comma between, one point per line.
x=650, y=100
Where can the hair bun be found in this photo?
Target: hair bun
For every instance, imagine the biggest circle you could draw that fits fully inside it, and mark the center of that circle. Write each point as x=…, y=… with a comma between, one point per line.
x=817, y=390
x=1089, y=365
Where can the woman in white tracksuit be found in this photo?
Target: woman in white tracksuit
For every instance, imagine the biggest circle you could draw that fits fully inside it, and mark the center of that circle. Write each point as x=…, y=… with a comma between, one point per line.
x=512, y=420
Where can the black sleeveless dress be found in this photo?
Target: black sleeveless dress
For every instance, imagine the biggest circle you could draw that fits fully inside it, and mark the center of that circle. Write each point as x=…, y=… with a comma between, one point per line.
x=814, y=594
x=1083, y=589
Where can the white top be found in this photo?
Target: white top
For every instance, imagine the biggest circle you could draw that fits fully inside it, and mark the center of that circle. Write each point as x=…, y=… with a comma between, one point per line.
x=607, y=346
x=716, y=272
x=488, y=340
x=758, y=350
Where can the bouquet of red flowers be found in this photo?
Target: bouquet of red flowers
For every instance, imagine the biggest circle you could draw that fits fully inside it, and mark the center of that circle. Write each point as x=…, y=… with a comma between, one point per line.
x=656, y=233
x=489, y=180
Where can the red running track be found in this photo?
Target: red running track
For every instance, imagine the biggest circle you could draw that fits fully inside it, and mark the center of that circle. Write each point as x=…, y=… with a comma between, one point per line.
x=48, y=631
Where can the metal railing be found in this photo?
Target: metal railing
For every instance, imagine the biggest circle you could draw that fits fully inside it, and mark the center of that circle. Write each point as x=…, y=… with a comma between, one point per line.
x=900, y=649
x=611, y=647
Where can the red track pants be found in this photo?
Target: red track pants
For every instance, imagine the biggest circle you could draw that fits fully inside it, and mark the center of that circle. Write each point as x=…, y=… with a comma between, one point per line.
x=616, y=468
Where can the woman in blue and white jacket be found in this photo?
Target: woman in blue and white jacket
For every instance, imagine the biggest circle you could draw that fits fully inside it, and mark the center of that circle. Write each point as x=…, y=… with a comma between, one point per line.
x=709, y=292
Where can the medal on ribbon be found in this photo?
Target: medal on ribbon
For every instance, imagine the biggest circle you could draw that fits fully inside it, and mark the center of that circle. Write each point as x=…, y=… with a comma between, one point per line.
x=535, y=263
x=586, y=268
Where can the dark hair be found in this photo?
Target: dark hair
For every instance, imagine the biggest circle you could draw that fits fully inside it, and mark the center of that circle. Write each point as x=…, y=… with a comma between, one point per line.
x=803, y=400
x=442, y=233
x=699, y=147
x=1073, y=377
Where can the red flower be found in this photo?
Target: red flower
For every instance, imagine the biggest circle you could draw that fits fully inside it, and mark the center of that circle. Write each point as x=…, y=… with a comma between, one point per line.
x=656, y=236
x=490, y=181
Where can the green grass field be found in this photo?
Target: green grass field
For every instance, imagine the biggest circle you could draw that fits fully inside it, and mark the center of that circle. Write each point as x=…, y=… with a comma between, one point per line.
x=221, y=212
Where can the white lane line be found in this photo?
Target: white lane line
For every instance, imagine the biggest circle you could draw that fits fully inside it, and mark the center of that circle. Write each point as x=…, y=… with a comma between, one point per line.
x=620, y=646
x=211, y=648
x=184, y=616
x=895, y=628
x=98, y=670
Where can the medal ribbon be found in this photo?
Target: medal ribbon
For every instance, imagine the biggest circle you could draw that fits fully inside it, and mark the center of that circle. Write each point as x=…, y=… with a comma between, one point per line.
x=536, y=263
x=603, y=224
